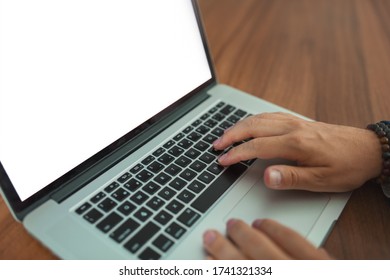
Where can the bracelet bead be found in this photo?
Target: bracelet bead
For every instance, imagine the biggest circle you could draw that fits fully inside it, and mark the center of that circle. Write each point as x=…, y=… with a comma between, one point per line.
x=382, y=130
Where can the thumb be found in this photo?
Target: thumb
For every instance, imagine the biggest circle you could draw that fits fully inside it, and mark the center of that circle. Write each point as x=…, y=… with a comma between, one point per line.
x=292, y=177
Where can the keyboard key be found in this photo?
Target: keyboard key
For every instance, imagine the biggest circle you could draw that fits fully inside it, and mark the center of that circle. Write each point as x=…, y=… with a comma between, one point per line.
x=192, y=153
x=175, y=206
x=155, y=167
x=186, y=196
x=158, y=152
x=206, y=177
x=144, y=176
x=185, y=143
x=143, y=236
x=83, y=208
x=107, y=204
x=124, y=230
x=163, y=217
x=143, y=214
x=210, y=138
x=163, y=243
x=188, y=174
x=227, y=109
x=240, y=113
x=162, y=178
x=126, y=176
x=151, y=188
x=215, y=152
x=126, y=208
x=217, y=132
x=167, y=193
x=233, y=119
x=213, y=110
x=196, y=186
x=202, y=146
x=173, y=169
x=225, y=125
x=202, y=129
x=97, y=197
x=178, y=184
x=207, y=158
x=169, y=144
x=188, y=217
x=194, y=136
x=139, y=197
x=196, y=123
x=210, y=123
x=220, y=104
x=149, y=254
x=178, y=137
x=155, y=203
x=109, y=222
x=188, y=129
x=183, y=161
x=215, y=168
x=205, y=116
x=111, y=187
x=218, y=117
x=203, y=202
x=176, y=151
x=136, y=168
x=147, y=160
x=93, y=215
x=120, y=194
x=198, y=166
x=132, y=185
x=165, y=159
x=175, y=230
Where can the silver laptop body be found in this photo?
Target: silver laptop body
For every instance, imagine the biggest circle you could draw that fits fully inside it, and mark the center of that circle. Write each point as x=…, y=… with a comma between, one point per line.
x=139, y=197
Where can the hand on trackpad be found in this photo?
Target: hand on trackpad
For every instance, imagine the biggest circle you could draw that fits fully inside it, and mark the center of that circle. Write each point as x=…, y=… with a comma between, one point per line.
x=296, y=209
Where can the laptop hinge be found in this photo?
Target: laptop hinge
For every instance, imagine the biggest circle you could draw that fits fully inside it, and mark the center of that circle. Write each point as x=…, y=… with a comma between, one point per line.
x=126, y=149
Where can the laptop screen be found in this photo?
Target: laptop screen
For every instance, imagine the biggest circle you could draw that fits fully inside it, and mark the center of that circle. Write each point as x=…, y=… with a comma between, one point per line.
x=77, y=75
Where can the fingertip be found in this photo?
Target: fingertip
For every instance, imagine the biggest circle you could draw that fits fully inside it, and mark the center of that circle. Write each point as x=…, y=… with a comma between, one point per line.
x=209, y=237
x=273, y=178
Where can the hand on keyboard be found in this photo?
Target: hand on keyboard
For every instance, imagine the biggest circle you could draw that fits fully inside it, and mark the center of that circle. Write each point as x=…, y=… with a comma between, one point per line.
x=330, y=158
x=266, y=239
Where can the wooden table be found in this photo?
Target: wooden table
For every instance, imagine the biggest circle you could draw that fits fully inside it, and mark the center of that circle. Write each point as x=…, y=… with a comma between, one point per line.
x=326, y=59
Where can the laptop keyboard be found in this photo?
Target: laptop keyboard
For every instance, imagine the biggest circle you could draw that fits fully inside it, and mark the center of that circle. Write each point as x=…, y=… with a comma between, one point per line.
x=150, y=207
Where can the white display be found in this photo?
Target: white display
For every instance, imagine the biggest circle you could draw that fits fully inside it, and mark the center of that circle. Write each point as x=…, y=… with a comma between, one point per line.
x=77, y=75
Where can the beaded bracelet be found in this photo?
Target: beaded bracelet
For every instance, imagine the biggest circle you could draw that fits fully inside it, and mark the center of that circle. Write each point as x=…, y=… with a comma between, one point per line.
x=382, y=130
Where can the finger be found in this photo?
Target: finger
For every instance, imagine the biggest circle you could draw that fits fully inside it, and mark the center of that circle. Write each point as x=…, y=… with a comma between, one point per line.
x=218, y=247
x=296, y=177
x=263, y=148
x=280, y=115
x=289, y=240
x=252, y=127
x=252, y=243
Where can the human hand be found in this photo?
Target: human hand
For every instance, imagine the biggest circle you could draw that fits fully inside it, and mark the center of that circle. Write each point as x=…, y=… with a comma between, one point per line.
x=329, y=157
x=266, y=239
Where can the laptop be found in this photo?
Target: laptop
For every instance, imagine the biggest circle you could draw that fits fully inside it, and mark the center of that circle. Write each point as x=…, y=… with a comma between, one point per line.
x=108, y=114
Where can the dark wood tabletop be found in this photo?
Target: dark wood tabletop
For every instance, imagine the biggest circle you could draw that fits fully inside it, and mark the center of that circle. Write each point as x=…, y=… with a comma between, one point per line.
x=326, y=59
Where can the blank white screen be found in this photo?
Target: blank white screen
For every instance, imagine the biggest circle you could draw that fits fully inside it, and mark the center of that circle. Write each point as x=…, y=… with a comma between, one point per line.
x=76, y=75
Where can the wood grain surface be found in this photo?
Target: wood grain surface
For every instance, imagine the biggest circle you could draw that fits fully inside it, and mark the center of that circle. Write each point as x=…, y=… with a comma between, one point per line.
x=326, y=59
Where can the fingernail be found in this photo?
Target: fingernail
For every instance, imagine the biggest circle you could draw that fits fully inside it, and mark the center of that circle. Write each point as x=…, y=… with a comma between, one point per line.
x=217, y=142
x=231, y=223
x=209, y=237
x=275, y=178
x=222, y=158
x=257, y=223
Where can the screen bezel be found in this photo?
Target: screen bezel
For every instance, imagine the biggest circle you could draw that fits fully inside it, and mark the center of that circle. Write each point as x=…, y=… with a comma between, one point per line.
x=19, y=206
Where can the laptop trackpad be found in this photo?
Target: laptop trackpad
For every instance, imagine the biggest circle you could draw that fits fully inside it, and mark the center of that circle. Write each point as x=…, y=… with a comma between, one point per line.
x=296, y=209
